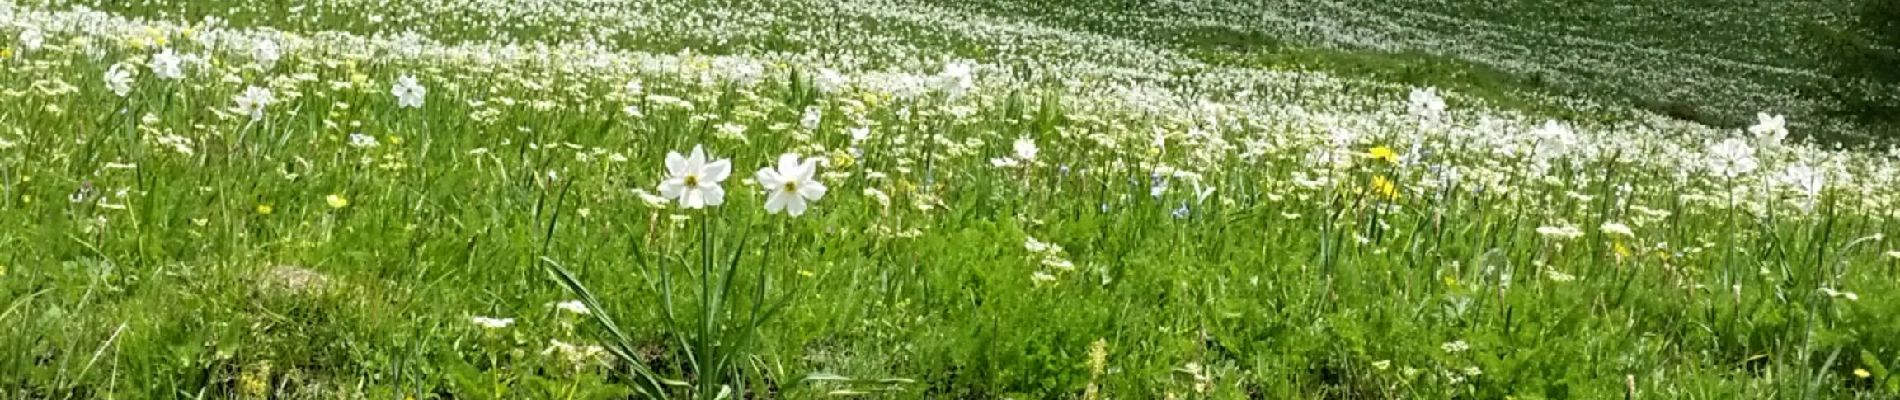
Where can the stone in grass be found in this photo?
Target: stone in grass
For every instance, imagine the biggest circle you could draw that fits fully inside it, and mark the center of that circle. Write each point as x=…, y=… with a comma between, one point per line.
x=288, y=280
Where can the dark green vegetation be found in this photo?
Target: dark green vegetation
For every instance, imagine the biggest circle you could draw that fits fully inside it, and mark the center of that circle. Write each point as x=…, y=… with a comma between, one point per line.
x=130, y=268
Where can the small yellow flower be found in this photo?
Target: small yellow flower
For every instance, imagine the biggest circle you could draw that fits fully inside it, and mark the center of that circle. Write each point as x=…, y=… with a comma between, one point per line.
x=1383, y=153
x=264, y=209
x=1384, y=187
x=1862, y=373
x=395, y=140
x=841, y=159
x=337, y=201
x=806, y=273
x=6, y=52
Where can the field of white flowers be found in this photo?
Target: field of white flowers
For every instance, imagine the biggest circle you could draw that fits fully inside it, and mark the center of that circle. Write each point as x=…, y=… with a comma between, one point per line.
x=904, y=199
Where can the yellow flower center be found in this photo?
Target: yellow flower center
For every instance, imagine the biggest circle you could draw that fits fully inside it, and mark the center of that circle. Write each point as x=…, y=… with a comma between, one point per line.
x=791, y=186
x=692, y=180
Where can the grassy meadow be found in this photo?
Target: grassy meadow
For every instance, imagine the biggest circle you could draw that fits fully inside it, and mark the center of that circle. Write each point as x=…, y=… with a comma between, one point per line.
x=721, y=199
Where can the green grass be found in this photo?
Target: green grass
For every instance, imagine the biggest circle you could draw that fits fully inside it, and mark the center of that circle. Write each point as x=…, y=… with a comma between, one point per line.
x=134, y=269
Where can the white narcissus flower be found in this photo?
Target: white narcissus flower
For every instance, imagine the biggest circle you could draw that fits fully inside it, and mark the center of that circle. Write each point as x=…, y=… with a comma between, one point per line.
x=31, y=39
x=1026, y=149
x=1616, y=228
x=408, y=92
x=1424, y=103
x=1731, y=158
x=167, y=65
x=1564, y=232
x=634, y=88
x=119, y=80
x=693, y=181
x=253, y=101
x=813, y=116
x=791, y=184
x=492, y=323
x=829, y=80
x=1805, y=179
x=363, y=141
x=1770, y=128
x=573, y=306
x=266, y=52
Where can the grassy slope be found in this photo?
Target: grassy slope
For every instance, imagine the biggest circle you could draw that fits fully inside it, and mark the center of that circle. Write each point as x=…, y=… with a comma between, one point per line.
x=1715, y=62
x=959, y=316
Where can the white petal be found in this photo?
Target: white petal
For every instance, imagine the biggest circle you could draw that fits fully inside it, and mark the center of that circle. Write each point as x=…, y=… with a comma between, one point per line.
x=675, y=164
x=787, y=163
x=698, y=160
x=693, y=198
x=715, y=196
x=776, y=202
x=795, y=206
x=716, y=172
x=768, y=178
x=671, y=188
x=812, y=190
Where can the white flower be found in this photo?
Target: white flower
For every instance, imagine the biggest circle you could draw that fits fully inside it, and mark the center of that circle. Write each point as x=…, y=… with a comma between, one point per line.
x=1805, y=179
x=1040, y=277
x=813, y=115
x=791, y=185
x=119, y=80
x=829, y=80
x=1035, y=246
x=1850, y=296
x=1554, y=140
x=1616, y=228
x=1026, y=149
x=579, y=355
x=694, y=181
x=573, y=306
x=167, y=65
x=957, y=77
x=408, y=92
x=1425, y=104
x=651, y=200
x=253, y=101
x=492, y=323
x=1565, y=232
x=858, y=134
x=32, y=39
x=1058, y=263
x=1455, y=346
x=266, y=52
x=634, y=88
x=1731, y=158
x=1770, y=129
x=363, y=141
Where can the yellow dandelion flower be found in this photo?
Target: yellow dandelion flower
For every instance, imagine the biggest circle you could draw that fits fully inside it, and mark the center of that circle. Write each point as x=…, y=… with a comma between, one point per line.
x=1862, y=373
x=337, y=201
x=841, y=159
x=1383, y=153
x=264, y=209
x=1384, y=187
